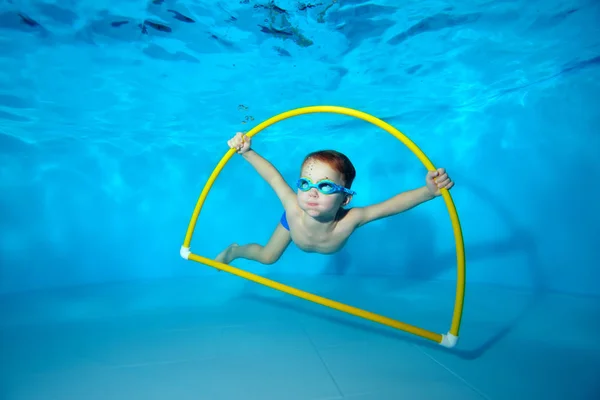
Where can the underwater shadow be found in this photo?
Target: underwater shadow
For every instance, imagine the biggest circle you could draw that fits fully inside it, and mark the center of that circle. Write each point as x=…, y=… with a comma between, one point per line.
x=391, y=333
x=417, y=233
x=520, y=240
x=412, y=229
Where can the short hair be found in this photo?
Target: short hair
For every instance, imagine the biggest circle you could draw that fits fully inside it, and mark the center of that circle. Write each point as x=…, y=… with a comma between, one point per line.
x=336, y=160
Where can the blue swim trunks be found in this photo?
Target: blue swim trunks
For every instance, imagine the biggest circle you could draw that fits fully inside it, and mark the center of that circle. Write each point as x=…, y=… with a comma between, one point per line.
x=284, y=222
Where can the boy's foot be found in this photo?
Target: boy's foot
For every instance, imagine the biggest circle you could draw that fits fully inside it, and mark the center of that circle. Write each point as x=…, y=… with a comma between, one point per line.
x=226, y=256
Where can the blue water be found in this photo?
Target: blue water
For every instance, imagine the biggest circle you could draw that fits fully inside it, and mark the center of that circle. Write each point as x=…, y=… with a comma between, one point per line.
x=113, y=115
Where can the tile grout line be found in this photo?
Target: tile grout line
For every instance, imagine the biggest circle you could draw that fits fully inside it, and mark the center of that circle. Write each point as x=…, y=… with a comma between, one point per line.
x=323, y=362
x=460, y=378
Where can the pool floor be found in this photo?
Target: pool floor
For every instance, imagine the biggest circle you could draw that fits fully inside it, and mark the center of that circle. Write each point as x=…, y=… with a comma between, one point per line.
x=165, y=340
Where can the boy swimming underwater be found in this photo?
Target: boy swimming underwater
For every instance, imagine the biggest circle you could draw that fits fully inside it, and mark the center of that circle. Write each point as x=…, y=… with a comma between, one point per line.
x=314, y=217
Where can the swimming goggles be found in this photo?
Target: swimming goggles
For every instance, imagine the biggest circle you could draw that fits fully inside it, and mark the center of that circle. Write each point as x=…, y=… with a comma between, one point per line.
x=325, y=186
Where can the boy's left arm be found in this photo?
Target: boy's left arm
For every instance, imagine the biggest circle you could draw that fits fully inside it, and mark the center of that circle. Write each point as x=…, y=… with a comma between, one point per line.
x=435, y=182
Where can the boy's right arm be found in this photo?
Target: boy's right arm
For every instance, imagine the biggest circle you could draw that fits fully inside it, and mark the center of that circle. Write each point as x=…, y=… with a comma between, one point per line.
x=270, y=174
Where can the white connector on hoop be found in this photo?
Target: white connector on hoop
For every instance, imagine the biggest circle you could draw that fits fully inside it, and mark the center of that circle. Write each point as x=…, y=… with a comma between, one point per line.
x=185, y=252
x=449, y=340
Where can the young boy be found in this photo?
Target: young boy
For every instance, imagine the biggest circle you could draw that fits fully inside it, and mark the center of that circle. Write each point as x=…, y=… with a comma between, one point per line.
x=313, y=217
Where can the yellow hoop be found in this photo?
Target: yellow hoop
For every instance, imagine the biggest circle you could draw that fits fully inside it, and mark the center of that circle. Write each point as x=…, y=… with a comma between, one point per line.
x=446, y=340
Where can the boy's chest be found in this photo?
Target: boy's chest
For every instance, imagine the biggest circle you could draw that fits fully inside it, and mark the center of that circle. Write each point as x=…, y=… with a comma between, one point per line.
x=325, y=243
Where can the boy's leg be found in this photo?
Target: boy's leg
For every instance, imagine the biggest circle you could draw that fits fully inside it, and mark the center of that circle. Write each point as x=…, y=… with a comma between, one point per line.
x=269, y=254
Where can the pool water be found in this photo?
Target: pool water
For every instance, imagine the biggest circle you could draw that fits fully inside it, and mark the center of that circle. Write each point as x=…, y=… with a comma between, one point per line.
x=114, y=114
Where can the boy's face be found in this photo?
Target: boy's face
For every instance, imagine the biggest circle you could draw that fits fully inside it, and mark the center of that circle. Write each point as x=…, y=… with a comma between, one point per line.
x=314, y=202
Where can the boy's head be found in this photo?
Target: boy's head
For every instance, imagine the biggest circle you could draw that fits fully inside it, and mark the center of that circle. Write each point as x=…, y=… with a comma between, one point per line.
x=337, y=161
x=326, y=165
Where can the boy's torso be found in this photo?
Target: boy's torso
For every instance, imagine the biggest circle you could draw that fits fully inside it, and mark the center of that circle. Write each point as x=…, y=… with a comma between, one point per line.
x=320, y=242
